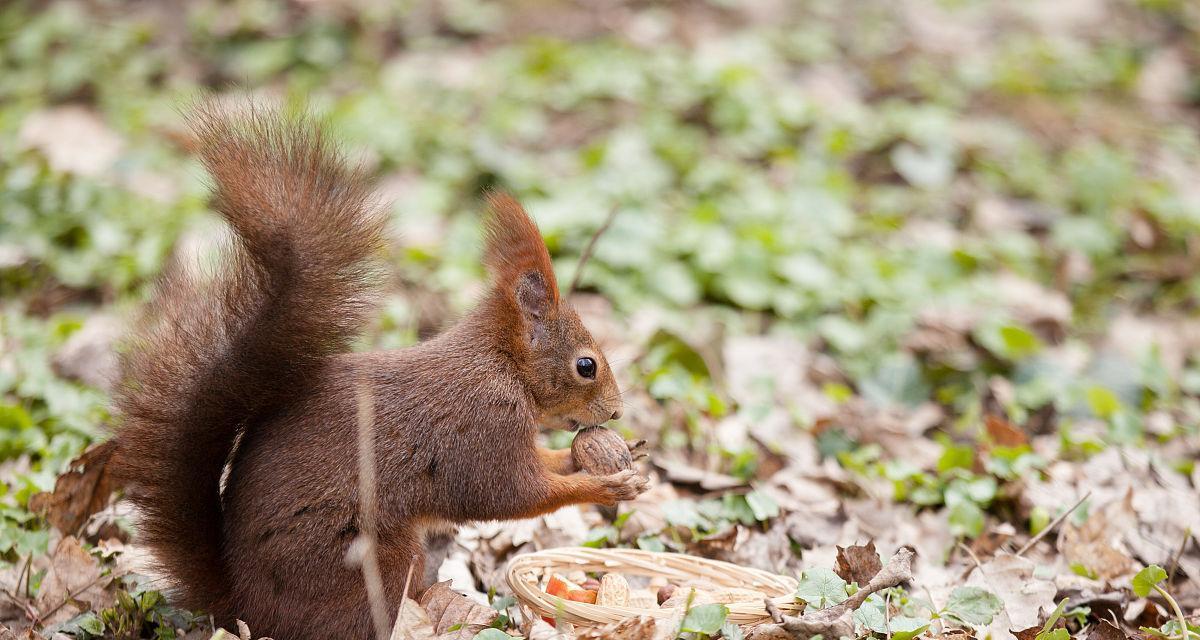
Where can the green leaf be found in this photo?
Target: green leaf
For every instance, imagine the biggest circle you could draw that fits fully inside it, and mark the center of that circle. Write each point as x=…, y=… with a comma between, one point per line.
x=763, y=505
x=973, y=605
x=871, y=615
x=1054, y=634
x=91, y=623
x=1144, y=581
x=966, y=519
x=1103, y=402
x=706, y=618
x=821, y=588
x=730, y=631
x=906, y=628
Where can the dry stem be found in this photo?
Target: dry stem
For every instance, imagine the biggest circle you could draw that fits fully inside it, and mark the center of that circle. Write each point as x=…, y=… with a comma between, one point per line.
x=836, y=621
x=587, y=251
x=364, y=548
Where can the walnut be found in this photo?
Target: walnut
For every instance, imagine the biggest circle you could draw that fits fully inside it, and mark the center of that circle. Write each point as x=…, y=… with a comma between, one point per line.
x=601, y=452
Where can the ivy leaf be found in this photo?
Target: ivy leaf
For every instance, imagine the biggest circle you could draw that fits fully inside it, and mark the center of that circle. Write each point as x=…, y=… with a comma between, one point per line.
x=966, y=519
x=730, y=631
x=870, y=614
x=821, y=588
x=973, y=605
x=706, y=618
x=763, y=505
x=1144, y=581
x=906, y=628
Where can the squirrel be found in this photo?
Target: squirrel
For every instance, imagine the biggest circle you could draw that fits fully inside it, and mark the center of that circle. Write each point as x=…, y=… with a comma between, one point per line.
x=238, y=413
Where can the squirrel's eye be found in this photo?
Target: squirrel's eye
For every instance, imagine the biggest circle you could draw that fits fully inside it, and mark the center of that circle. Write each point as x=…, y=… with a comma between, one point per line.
x=586, y=367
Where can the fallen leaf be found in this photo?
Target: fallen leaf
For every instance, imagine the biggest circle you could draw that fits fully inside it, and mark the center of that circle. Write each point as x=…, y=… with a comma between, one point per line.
x=448, y=609
x=81, y=491
x=1004, y=433
x=74, y=139
x=412, y=622
x=1105, y=630
x=681, y=472
x=1096, y=546
x=89, y=355
x=73, y=584
x=1025, y=597
x=858, y=563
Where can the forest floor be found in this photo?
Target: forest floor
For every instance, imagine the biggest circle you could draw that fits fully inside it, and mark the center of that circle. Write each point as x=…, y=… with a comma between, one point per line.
x=884, y=276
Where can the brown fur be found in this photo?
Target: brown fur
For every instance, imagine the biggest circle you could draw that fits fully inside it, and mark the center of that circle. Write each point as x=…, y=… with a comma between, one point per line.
x=260, y=354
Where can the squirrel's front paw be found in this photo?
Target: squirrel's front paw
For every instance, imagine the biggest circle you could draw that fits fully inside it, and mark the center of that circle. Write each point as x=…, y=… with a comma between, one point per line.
x=624, y=485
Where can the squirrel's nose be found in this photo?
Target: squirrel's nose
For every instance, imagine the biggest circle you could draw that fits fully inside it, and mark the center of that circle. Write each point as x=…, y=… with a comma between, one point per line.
x=616, y=414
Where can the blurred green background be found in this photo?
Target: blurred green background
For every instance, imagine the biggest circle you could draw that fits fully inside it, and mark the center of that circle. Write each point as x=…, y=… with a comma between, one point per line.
x=985, y=207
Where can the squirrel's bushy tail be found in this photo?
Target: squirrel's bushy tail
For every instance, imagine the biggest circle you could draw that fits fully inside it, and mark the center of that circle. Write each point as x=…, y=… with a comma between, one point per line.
x=218, y=354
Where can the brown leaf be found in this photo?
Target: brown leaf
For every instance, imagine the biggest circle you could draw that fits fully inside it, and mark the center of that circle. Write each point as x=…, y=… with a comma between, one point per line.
x=1004, y=433
x=1027, y=634
x=447, y=609
x=1096, y=544
x=640, y=628
x=81, y=491
x=412, y=622
x=858, y=563
x=27, y=634
x=1105, y=630
x=72, y=585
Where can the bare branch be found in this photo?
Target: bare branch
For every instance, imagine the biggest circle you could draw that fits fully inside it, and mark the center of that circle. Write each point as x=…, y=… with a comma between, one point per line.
x=591, y=246
x=364, y=548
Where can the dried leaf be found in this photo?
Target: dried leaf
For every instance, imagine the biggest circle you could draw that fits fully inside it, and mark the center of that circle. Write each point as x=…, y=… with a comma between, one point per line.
x=1105, y=630
x=448, y=609
x=1025, y=597
x=1004, y=433
x=80, y=492
x=412, y=622
x=73, y=584
x=858, y=563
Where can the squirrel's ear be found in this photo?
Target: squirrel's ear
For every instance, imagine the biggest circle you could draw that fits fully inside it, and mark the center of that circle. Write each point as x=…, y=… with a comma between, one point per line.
x=516, y=257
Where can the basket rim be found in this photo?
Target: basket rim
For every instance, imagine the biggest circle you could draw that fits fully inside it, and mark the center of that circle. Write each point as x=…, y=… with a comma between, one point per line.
x=524, y=572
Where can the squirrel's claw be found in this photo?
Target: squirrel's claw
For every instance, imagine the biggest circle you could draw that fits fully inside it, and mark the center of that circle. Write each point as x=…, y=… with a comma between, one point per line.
x=624, y=485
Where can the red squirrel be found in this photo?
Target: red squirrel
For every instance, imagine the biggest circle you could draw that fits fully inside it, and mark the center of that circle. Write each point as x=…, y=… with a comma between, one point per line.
x=248, y=373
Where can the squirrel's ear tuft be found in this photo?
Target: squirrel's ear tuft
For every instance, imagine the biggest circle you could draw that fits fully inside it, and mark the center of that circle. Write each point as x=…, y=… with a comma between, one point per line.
x=516, y=255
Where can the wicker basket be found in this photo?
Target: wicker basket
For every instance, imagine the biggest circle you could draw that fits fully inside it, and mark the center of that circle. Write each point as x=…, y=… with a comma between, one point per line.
x=526, y=571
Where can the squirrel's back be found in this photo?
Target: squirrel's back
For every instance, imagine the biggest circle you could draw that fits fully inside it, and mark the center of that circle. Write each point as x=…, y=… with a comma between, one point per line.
x=216, y=356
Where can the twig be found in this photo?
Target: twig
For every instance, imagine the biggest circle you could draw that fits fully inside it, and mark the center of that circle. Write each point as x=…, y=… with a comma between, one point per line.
x=1057, y=521
x=591, y=245
x=69, y=597
x=837, y=621
x=365, y=546
x=24, y=575
x=974, y=558
x=887, y=614
x=403, y=598
x=1174, y=565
